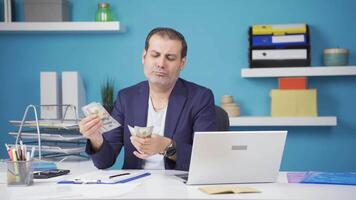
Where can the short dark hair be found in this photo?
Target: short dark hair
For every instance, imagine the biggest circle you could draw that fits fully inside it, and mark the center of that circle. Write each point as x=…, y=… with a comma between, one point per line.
x=171, y=34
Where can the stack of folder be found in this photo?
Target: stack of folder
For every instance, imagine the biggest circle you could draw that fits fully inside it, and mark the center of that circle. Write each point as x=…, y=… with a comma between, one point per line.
x=293, y=99
x=283, y=45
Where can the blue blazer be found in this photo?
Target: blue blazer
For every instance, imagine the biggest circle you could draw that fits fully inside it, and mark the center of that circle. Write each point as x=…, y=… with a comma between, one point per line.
x=191, y=108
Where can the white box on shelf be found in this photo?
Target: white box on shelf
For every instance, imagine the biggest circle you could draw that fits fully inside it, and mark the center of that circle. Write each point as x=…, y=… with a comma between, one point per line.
x=50, y=87
x=73, y=93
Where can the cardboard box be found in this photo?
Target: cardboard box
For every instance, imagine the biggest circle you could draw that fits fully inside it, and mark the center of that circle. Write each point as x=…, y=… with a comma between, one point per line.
x=298, y=83
x=294, y=103
x=46, y=10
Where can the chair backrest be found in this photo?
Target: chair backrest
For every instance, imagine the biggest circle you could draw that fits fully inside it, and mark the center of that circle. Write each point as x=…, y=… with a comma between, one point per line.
x=223, y=123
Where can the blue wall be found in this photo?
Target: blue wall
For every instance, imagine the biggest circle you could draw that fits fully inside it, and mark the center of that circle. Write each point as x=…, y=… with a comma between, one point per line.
x=216, y=32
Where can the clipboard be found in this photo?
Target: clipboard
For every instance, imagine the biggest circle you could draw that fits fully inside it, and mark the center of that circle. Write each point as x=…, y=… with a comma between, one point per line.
x=123, y=179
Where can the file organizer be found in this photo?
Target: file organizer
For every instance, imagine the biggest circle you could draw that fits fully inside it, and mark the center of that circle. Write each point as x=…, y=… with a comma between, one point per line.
x=285, y=45
x=61, y=138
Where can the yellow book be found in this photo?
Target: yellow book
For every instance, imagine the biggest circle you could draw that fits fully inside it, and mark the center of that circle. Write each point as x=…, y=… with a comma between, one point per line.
x=294, y=103
x=279, y=29
x=226, y=189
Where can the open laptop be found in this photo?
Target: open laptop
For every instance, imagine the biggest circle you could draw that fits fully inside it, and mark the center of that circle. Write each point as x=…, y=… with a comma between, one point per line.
x=236, y=157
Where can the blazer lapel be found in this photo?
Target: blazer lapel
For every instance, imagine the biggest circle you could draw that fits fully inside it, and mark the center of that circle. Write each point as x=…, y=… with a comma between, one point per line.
x=176, y=103
x=141, y=106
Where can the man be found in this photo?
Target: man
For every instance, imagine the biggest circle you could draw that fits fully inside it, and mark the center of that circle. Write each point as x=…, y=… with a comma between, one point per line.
x=174, y=107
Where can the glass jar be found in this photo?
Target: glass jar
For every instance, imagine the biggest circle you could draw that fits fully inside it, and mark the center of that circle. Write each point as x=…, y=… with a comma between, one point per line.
x=103, y=13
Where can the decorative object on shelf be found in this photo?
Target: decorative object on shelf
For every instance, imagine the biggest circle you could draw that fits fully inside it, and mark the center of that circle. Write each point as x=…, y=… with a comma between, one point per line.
x=336, y=57
x=231, y=107
x=107, y=94
x=279, y=45
x=46, y=10
x=103, y=13
x=292, y=83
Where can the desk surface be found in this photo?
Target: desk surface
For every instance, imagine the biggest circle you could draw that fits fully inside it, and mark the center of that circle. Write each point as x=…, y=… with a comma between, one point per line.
x=163, y=184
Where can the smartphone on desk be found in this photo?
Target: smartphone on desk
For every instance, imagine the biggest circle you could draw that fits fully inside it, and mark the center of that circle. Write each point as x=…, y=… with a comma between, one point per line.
x=50, y=173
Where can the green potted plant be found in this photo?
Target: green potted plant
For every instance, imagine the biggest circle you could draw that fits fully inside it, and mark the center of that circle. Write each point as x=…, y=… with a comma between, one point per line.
x=107, y=94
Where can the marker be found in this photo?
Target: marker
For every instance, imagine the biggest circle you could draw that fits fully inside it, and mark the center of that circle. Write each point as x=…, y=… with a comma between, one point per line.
x=9, y=152
x=14, y=155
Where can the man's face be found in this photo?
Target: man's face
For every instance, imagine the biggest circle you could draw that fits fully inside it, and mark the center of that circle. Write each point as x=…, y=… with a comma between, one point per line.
x=162, y=61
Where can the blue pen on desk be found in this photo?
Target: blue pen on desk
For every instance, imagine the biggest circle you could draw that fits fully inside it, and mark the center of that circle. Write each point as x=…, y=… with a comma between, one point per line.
x=75, y=181
x=134, y=178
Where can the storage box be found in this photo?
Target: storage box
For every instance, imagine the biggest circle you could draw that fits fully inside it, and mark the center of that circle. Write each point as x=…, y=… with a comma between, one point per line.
x=46, y=10
x=293, y=103
x=297, y=83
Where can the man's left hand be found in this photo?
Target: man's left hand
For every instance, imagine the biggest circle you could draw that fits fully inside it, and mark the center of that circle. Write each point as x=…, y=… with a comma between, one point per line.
x=149, y=146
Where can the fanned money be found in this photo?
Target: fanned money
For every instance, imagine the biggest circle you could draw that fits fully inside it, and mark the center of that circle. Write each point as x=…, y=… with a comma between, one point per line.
x=108, y=122
x=141, y=132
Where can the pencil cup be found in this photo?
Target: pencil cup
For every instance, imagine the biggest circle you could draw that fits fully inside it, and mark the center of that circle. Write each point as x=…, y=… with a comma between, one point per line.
x=19, y=173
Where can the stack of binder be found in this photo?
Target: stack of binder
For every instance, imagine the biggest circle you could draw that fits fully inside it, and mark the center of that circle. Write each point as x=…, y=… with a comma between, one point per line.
x=284, y=45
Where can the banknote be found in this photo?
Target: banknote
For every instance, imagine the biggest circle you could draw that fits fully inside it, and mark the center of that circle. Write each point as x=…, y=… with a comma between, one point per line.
x=108, y=122
x=141, y=131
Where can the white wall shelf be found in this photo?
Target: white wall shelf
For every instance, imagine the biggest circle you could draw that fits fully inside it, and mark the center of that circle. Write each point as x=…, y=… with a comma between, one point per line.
x=114, y=26
x=298, y=71
x=283, y=121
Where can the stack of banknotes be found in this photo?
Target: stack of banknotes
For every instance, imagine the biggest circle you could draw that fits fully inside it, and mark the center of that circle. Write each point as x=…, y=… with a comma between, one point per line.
x=141, y=132
x=108, y=122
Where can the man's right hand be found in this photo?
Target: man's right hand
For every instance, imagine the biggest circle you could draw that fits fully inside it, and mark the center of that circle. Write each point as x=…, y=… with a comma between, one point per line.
x=90, y=127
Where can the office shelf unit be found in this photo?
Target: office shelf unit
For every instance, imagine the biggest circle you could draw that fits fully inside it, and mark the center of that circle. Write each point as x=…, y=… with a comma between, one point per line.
x=283, y=121
x=52, y=139
x=298, y=71
x=291, y=72
x=114, y=26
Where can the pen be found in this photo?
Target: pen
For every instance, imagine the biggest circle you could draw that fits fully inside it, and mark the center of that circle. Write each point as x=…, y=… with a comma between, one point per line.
x=116, y=175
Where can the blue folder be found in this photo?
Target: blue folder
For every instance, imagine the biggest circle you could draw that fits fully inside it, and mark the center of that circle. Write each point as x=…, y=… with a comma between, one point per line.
x=339, y=178
x=267, y=41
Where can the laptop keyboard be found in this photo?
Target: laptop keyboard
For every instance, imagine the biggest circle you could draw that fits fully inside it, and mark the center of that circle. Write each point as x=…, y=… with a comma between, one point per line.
x=183, y=176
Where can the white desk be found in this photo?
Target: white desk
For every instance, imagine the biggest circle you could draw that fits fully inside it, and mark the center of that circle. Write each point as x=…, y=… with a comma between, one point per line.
x=162, y=184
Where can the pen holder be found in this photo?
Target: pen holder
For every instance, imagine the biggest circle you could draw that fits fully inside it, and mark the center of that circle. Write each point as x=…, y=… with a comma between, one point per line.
x=19, y=173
